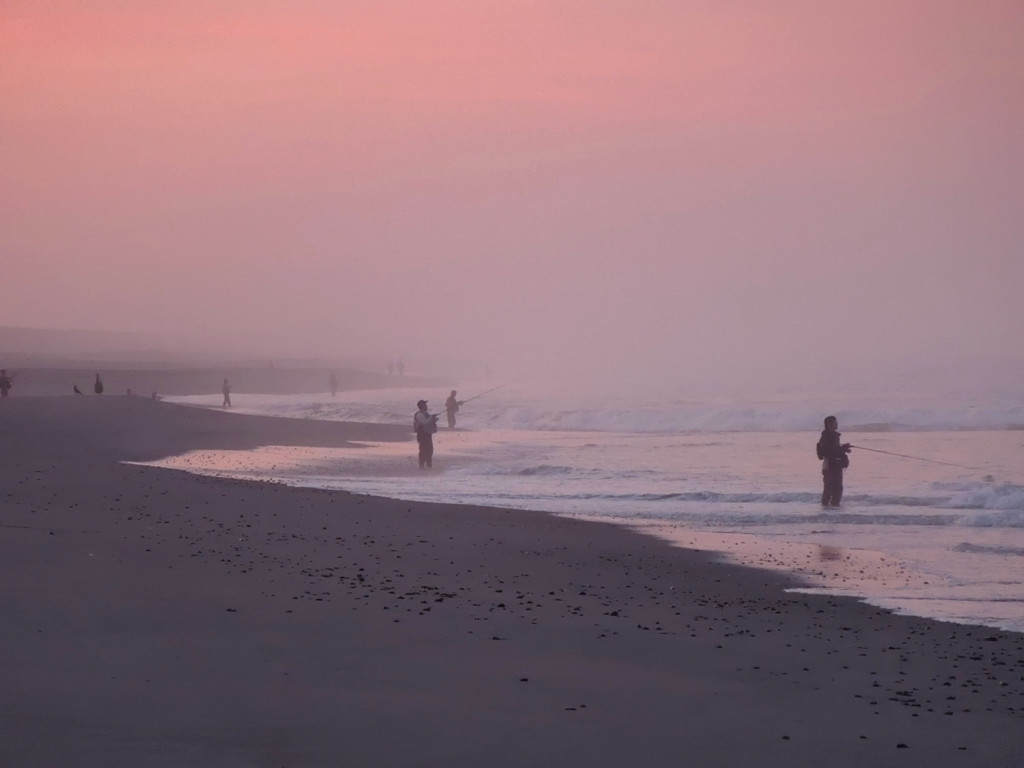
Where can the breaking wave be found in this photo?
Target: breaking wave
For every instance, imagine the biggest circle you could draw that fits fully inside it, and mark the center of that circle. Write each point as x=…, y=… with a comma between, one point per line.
x=992, y=506
x=982, y=549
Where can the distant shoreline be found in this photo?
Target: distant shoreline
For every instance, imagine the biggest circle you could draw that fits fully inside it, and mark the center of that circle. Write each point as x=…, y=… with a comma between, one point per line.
x=119, y=378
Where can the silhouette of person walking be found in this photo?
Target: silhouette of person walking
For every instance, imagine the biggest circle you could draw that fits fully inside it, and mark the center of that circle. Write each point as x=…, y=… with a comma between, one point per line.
x=5, y=383
x=98, y=386
x=226, y=389
x=333, y=382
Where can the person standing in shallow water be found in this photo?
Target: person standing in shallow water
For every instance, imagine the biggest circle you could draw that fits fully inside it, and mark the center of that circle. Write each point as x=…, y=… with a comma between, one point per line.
x=451, y=407
x=98, y=386
x=226, y=389
x=5, y=383
x=424, y=424
x=834, y=460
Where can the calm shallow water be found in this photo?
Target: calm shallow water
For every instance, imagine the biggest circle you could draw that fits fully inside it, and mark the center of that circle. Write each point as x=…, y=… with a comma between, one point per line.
x=925, y=538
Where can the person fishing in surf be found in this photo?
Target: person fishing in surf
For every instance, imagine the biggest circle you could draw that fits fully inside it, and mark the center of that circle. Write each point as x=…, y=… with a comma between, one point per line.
x=424, y=424
x=451, y=407
x=834, y=460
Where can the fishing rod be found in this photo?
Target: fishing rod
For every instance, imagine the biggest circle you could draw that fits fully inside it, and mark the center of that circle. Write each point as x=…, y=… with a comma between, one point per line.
x=918, y=458
x=493, y=389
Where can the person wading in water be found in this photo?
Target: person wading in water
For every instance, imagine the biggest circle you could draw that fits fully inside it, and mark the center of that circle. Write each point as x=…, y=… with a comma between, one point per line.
x=451, y=407
x=834, y=460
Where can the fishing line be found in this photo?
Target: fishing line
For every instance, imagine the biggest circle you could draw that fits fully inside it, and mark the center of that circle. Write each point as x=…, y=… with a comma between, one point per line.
x=493, y=389
x=918, y=458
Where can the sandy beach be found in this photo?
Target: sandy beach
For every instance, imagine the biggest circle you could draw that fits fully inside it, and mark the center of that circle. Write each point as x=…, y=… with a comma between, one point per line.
x=156, y=618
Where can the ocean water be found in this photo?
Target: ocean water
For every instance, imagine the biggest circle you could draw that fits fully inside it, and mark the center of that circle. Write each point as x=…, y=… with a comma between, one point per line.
x=937, y=531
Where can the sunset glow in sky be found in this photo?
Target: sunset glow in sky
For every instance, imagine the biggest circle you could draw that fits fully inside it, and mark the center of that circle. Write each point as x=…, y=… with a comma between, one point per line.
x=729, y=187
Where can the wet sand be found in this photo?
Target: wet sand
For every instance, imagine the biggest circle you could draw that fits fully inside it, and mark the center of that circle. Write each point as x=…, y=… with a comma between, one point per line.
x=156, y=618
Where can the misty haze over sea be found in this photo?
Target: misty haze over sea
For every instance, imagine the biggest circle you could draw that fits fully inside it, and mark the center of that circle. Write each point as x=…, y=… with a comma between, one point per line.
x=729, y=198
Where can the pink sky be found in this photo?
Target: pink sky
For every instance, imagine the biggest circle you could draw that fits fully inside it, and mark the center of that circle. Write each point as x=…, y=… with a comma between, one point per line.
x=728, y=187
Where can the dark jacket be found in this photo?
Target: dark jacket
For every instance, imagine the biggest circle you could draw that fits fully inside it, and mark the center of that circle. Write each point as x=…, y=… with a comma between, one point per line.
x=830, y=448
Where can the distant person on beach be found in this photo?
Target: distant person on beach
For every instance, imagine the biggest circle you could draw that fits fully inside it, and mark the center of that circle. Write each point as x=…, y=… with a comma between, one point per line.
x=98, y=386
x=424, y=424
x=226, y=389
x=400, y=368
x=834, y=460
x=5, y=383
x=451, y=407
x=333, y=384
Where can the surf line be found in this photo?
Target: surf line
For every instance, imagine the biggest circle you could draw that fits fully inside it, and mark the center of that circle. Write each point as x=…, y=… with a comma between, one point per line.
x=918, y=458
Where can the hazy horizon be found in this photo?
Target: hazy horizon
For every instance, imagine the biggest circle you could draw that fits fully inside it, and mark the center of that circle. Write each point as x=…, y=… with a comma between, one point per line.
x=689, y=193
